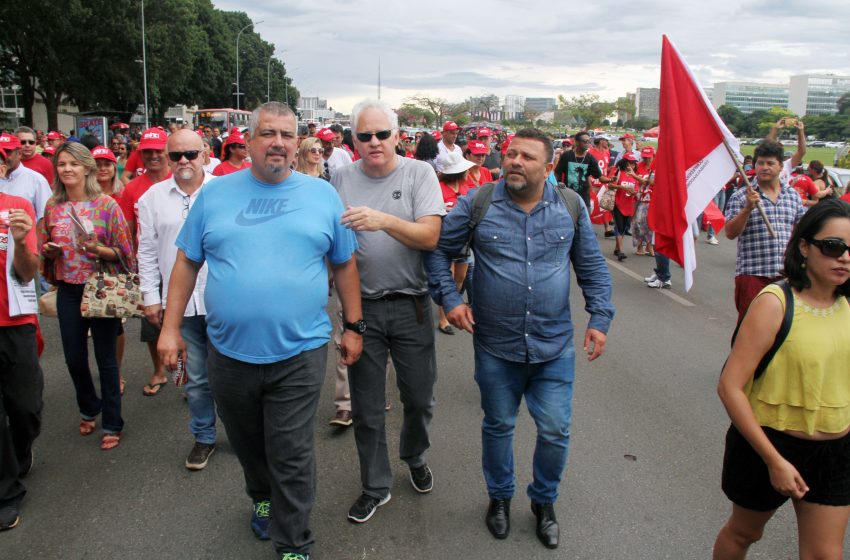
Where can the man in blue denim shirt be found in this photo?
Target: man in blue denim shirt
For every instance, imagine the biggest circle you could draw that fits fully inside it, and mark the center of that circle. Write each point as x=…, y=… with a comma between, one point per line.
x=523, y=334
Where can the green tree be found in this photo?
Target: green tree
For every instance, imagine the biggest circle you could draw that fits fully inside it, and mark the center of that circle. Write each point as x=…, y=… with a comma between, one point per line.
x=771, y=117
x=844, y=104
x=436, y=106
x=587, y=108
x=732, y=117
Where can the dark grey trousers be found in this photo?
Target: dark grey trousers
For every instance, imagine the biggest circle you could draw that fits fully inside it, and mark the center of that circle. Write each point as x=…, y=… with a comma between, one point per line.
x=397, y=327
x=269, y=411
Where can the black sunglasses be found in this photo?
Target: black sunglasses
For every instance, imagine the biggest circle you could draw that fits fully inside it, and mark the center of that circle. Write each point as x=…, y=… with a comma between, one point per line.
x=367, y=136
x=28, y=142
x=832, y=248
x=191, y=155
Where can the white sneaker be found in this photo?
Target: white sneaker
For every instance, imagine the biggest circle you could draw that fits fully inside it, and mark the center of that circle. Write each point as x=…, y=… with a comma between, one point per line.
x=713, y=241
x=650, y=279
x=659, y=284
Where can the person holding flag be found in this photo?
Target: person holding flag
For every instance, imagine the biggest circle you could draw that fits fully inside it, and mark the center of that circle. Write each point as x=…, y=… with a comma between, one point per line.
x=760, y=255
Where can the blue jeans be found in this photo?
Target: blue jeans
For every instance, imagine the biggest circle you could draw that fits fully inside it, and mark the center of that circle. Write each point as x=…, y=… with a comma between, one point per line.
x=548, y=390
x=201, y=404
x=104, y=334
x=662, y=267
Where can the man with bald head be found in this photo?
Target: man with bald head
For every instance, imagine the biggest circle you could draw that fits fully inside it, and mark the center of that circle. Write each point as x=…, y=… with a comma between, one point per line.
x=162, y=211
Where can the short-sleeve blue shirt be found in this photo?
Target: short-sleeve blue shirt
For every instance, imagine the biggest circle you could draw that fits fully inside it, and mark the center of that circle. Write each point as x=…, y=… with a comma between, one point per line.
x=265, y=246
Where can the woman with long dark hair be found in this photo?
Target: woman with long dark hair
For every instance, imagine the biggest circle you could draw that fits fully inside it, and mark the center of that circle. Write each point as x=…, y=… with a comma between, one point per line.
x=790, y=433
x=235, y=152
x=427, y=150
x=83, y=229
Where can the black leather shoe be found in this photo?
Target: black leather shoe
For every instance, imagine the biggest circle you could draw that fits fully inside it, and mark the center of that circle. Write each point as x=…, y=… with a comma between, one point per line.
x=499, y=518
x=547, y=525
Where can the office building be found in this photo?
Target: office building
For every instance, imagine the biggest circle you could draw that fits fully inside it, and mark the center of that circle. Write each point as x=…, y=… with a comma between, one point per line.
x=816, y=94
x=750, y=96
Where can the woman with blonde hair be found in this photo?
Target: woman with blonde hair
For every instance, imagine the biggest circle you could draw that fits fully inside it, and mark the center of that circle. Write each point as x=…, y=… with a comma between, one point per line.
x=310, y=159
x=82, y=230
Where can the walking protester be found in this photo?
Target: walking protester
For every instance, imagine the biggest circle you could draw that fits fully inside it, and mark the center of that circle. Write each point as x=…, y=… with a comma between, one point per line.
x=790, y=433
x=22, y=181
x=134, y=166
x=121, y=154
x=493, y=161
x=162, y=211
x=642, y=237
x=339, y=136
x=427, y=150
x=55, y=139
x=520, y=320
x=267, y=353
x=827, y=188
x=70, y=255
x=309, y=160
x=454, y=184
x=234, y=156
x=476, y=152
x=333, y=157
x=625, y=183
x=216, y=143
x=21, y=378
x=759, y=257
x=394, y=206
x=628, y=142
x=806, y=188
x=447, y=142
x=29, y=157
x=152, y=150
x=210, y=161
x=576, y=167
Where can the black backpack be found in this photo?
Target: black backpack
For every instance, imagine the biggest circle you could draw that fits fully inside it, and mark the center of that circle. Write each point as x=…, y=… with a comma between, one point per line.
x=484, y=196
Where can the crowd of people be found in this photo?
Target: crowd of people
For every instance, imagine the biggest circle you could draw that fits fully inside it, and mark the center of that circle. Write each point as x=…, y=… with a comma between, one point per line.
x=485, y=225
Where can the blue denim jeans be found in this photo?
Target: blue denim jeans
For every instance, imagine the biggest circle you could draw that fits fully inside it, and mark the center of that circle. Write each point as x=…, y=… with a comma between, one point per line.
x=201, y=403
x=662, y=267
x=104, y=334
x=548, y=390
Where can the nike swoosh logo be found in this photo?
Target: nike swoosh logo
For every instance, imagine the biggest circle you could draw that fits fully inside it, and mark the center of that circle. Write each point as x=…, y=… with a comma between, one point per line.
x=243, y=220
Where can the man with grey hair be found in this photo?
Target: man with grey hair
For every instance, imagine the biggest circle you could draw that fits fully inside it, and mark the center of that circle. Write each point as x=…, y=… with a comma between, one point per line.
x=162, y=211
x=29, y=157
x=266, y=323
x=394, y=204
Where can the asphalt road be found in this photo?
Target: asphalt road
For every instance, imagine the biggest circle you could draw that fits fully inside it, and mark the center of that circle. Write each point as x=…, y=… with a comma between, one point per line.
x=642, y=480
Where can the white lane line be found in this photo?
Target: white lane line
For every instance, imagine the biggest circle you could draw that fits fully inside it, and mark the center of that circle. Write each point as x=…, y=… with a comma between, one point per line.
x=669, y=293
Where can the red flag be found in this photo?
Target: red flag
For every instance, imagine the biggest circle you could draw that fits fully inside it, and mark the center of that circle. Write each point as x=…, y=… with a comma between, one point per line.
x=692, y=163
x=713, y=216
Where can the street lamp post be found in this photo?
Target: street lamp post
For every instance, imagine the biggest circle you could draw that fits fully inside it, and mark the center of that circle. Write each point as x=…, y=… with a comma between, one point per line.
x=145, y=67
x=238, y=35
x=269, y=76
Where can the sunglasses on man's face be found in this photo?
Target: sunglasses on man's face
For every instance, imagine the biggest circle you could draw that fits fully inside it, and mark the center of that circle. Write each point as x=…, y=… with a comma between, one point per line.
x=367, y=136
x=830, y=247
x=28, y=142
x=191, y=155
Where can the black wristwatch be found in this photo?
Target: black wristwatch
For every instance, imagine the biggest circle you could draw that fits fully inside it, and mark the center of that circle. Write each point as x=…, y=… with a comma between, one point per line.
x=357, y=326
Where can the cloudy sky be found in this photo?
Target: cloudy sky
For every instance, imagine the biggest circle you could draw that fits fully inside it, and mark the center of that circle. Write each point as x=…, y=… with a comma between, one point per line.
x=458, y=48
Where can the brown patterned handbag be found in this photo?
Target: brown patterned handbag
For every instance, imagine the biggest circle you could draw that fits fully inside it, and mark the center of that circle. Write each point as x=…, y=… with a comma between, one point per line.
x=112, y=296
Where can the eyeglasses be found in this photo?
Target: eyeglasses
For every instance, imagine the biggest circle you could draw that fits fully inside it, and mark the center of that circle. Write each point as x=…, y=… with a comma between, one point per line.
x=191, y=155
x=238, y=146
x=832, y=248
x=185, y=206
x=317, y=150
x=28, y=142
x=367, y=136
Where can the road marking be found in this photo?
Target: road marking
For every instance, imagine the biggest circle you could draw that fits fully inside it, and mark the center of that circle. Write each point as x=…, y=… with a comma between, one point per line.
x=669, y=293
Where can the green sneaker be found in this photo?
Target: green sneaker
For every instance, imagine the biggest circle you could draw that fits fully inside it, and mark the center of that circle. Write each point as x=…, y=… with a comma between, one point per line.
x=293, y=556
x=260, y=519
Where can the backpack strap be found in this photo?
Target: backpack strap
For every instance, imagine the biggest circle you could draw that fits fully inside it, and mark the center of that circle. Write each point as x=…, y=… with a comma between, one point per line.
x=480, y=204
x=571, y=200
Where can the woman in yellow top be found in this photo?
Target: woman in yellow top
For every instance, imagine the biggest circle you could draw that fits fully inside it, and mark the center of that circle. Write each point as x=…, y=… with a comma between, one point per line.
x=789, y=435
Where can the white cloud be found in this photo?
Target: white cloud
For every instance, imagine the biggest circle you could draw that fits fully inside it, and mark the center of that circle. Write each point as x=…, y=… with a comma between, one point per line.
x=454, y=49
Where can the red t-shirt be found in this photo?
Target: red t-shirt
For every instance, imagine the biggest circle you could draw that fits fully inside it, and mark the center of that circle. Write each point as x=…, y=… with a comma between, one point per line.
x=135, y=164
x=846, y=197
x=42, y=165
x=450, y=197
x=804, y=186
x=8, y=202
x=226, y=168
x=625, y=201
x=484, y=177
x=128, y=200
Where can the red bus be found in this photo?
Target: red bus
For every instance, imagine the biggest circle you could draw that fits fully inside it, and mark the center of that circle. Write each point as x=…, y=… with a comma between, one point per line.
x=223, y=119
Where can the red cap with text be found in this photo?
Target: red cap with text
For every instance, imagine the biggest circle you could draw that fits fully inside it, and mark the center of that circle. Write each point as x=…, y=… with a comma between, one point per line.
x=476, y=148
x=153, y=139
x=326, y=135
x=482, y=132
x=647, y=151
x=102, y=152
x=9, y=142
x=450, y=125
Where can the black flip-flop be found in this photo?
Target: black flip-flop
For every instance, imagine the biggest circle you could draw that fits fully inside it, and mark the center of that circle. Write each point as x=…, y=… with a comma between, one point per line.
x=154, y=388
x=447, y=329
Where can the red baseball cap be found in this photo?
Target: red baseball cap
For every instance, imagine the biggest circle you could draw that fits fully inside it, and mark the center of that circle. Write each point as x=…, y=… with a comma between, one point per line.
x=153, y=139
x=507, y=143
x=234, y=138
x=49, y=150
x=102, y=152
x=484, y=132
x=437, y=134
x=326, y=135
x=626, y=135
x=9, y=142
x=450, y=125
x=629, y=156
x=476, y=148
x=53, y=135
x=566, y=141
x=647, y=151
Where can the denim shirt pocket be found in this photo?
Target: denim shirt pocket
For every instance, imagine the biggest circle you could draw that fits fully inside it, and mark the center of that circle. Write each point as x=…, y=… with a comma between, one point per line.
x=557, y=248
x=494, y=245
